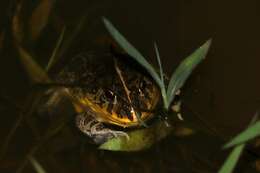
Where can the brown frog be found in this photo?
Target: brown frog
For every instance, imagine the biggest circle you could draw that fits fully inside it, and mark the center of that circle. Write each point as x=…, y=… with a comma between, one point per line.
x=110, y=93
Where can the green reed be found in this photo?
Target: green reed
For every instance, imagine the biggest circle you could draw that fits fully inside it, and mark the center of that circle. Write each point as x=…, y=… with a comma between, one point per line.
x=179, y=76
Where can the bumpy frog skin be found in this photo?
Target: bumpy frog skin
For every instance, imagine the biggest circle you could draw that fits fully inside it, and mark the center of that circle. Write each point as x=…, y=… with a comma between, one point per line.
x=101, y=97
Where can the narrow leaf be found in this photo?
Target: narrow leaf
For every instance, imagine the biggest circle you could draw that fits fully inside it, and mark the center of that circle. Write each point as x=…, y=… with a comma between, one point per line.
x=184, y=70
x=17, y=24
x=132, y=51
x=248, y=134
x=163, y=88
x=36, y=165
x=159, y=61
x=232, y=159
x=54, y=56
x=66, y=43
x=35, y=72
x=40, y=18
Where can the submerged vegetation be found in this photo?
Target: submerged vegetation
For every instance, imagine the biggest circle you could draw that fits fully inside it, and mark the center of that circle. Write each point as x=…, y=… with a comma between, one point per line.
x=58, y=134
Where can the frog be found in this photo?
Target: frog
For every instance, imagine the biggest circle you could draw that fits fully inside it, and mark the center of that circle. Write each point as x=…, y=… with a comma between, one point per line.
x=110, y=92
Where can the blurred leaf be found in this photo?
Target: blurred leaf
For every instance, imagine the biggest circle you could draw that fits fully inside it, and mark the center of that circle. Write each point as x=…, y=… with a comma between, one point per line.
x=132, y=51
x=52, y=130
x=40, y=18
x=257, y=165
x=232, y=159
x=183, y=131
x=17, y=25
x=138, y=139
x=251, y=132
x=184, y=70
x=35, y=72
x=54, y=56
x=72, y=36
x=257, y=142
x=36, y=165
x=29, y=105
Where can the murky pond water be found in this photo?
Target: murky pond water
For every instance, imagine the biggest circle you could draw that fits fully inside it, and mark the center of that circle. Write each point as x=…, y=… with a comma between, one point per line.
x=219, y=100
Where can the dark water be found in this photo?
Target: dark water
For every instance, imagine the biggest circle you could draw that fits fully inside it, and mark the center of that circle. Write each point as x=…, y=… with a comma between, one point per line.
x=223, y=91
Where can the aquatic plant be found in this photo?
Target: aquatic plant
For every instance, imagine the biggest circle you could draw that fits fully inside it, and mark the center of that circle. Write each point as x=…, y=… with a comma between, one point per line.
x=177, y=80
x=141, y=139
x=238, y=143
x=181, y=73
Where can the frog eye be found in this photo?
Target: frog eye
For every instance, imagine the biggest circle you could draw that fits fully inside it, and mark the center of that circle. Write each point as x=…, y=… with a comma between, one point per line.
x=109, y=95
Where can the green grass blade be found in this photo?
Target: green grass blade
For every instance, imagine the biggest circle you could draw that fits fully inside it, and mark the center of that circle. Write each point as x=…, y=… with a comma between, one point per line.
x=184, y=70
x=232, y=159
x=36, y=165
x=161, y=74
x=132, y=51
x=159, y=61
x=54, y=56
x=250, y=133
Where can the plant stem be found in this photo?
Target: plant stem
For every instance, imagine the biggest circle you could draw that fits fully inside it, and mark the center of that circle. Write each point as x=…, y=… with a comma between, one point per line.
x=164, y=97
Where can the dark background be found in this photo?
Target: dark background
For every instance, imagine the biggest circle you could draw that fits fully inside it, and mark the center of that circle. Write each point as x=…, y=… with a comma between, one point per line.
x=223, y=90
